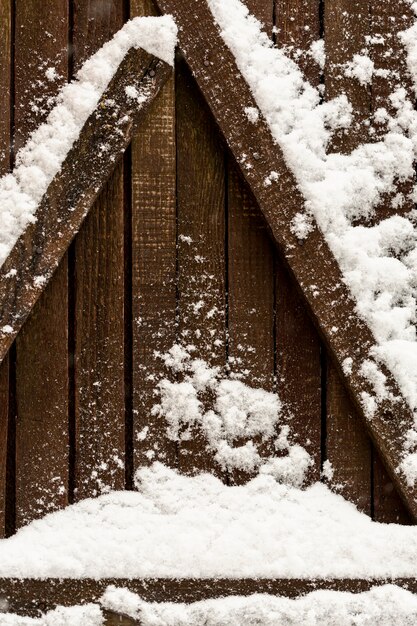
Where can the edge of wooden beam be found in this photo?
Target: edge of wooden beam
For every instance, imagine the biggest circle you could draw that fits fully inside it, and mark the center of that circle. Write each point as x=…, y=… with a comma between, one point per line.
x=102, y=142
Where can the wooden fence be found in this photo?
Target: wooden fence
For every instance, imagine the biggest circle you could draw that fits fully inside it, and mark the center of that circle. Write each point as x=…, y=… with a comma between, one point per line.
x=175, y=249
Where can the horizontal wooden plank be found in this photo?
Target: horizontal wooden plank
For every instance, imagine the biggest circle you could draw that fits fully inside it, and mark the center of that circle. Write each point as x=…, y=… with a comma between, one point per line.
x=312, y=264
x=74, y=189
x=27, y=596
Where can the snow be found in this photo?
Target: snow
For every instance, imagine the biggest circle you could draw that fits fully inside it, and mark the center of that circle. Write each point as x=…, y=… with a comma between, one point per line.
x=87, y=615
x=378, y=261
x=387, y=605
x=204, y=528
x=240, y=414
x=41, y=158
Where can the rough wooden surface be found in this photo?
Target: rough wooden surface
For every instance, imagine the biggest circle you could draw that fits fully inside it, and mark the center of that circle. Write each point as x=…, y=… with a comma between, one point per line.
x=298, y=367
x=153, y=288
x=41, y=374
x=5, y=162
x=347, y=445
x=98, y=261
x=201, y=240
x=386, y=19
x=41, y=257
x=298, y=349
x=298, y=26
x=346, y=24
x=29, y=597
x=312, y=265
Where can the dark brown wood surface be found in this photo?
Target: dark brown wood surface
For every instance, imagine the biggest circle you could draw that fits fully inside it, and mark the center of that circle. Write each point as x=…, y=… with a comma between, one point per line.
x=250, y=279
x=5, y=162
x=298, y=26
x=41, y=43
x=386, y=19
x=201, y=239
x=152, y=293
x=98, y=294
x=346, y=24
x=312, y=264
x=298, y=349
x=29, y=597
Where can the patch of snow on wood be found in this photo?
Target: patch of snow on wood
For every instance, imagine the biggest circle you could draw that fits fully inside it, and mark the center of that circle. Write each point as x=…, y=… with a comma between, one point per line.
x=41, y=158
x=378, y=262
x=387, y=605
x=241, y=416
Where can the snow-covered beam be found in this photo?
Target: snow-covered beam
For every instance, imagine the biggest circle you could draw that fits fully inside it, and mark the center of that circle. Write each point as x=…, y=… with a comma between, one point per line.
x=310, y=260
x=30, y=596
x=64, y=204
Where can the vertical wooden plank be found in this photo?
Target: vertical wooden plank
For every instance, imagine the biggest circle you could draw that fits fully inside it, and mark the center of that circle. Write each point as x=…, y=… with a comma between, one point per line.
x=250, y=284
x=250, y=287
x=263, y=10
x=99, y=300
x=298, y=26
x=41, y=41
x=348, y=448
x=154, y=250
x=42, y=422
x=4, y=421
x=298, y=358
x=298, y=368
x=5, y=144
x=387, y=19
x=201, y=241
x=346, y=25
x=5, y=82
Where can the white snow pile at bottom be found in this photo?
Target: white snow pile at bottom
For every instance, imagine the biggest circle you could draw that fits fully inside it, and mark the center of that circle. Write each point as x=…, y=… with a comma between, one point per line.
x=41, y=158
x=386, y=606
x=197, y=527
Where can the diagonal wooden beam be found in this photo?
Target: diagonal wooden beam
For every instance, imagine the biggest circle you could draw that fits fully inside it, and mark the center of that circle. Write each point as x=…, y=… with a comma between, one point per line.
x=31, y=596
x=311, y=263
x=37, y=253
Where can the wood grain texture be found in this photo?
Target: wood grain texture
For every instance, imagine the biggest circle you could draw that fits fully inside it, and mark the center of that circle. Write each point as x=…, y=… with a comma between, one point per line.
x=39, y=251
x=41, y=42
x=29, y=597
x=298, y=367
x=41, y=397
x=263, y=10
x=298, y=350
x=99, y=299
x=250, y=279
x=312, y=264
x=5, y=83
x=298, y=26
x=346, y=24
x=201, y=242
x=250, y=287
x=5, y=161
x=4, y=422
x=154, y=257
x=348, y=446
x=99, y=345
x=386, y=19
